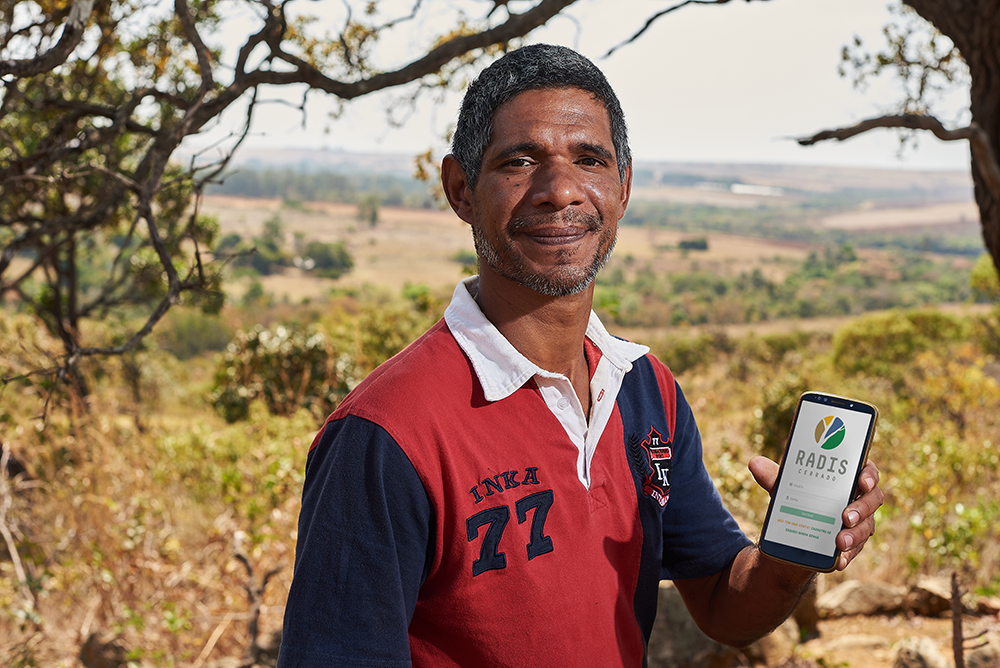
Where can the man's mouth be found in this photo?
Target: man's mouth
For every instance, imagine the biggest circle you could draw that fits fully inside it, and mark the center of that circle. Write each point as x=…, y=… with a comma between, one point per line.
x=549, y=229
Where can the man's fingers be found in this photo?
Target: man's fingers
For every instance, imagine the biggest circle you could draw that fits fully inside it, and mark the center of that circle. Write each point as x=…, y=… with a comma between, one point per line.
x=764, y=471
x=859, y=517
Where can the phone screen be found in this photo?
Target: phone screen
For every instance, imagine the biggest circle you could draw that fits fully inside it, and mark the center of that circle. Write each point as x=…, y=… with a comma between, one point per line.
x=826, y=450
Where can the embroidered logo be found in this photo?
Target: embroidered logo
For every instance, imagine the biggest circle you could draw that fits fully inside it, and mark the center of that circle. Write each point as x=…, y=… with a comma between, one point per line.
x=652, y=459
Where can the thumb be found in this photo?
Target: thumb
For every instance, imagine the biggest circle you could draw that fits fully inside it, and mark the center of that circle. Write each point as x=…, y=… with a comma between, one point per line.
x=764, y=471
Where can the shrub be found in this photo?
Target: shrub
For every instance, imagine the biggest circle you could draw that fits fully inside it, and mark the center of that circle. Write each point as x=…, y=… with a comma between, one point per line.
x=986, y=332
x=984, y=280
x=329, y=260
x=190, y=332
x=877, y=343
x=384, y=331
x=772, y=419
x=693, y=244
x=683, y=354
x=288, y=368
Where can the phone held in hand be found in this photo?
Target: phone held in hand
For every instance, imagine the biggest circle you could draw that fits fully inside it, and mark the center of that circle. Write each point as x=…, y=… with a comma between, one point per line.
x=818, y=478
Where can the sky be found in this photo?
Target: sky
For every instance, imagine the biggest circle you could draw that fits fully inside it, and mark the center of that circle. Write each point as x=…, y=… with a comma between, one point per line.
x=729, y=83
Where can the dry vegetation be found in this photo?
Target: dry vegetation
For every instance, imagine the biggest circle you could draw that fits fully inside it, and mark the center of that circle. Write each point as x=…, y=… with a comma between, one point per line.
x=138, y=504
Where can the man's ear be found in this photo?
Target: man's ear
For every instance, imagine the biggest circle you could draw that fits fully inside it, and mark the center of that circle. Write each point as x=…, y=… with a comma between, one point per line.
x=456, y=188
x=626, y=192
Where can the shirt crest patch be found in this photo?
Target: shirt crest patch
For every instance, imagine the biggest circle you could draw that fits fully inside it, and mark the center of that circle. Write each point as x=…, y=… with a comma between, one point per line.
x=652, y=459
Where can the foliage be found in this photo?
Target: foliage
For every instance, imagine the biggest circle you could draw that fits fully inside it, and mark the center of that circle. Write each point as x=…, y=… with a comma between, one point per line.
x=384, y=331
x=98, y=96
x=468, y=259
x=267, y=254
x=368, y=209
x=878, y=343
x=987, y=332
x=682, y=353
x=322, y=186
x=772, y=417
x=924, y=63
x=142, y=524
x=693, y=244
x=188, y=332
x=329, y=260
x=287, y=369
x=985, y=280
x=829, y=282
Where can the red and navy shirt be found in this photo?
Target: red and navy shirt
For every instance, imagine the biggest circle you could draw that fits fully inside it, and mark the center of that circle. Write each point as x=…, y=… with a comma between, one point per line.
x=442, y=528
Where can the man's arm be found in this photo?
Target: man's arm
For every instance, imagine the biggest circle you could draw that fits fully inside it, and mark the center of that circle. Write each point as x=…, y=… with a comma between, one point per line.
x=755, y=594
x=364, y=546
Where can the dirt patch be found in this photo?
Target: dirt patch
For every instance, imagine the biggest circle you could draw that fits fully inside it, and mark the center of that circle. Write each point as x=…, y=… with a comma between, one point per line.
x=937, y=215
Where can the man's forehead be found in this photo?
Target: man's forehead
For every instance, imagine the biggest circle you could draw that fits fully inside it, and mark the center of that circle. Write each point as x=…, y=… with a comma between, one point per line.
x=537, y=92
x=537, y=97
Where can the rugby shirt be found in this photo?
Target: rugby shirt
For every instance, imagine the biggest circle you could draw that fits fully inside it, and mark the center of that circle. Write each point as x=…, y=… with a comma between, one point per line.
x=442, y=528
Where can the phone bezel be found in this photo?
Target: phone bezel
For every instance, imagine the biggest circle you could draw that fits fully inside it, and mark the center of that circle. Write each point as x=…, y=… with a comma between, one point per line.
x=794, y=555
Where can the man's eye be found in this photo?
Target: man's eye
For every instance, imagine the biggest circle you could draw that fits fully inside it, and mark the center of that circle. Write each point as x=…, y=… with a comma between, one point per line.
x=591, y=162
x=518, y=162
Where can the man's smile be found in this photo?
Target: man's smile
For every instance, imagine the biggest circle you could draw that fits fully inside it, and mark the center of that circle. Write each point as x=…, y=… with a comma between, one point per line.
x=554, y=230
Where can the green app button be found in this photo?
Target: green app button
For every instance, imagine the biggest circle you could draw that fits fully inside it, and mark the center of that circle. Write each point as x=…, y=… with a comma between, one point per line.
x=808, y=515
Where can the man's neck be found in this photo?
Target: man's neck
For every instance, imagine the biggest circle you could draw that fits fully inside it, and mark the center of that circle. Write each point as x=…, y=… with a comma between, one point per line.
x=549, y=331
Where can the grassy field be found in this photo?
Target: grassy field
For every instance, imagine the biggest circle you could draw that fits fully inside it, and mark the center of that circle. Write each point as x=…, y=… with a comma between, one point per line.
x=417, y=246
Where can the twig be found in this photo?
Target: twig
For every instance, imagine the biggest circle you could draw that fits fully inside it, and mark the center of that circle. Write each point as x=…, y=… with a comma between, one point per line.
x=214, y=638
x=256, y=596
x=6, y=502
x=658, y=15
x=88, y=619
x=957, y=640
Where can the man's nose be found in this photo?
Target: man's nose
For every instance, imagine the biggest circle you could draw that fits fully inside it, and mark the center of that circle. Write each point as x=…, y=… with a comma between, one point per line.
x=557, y=185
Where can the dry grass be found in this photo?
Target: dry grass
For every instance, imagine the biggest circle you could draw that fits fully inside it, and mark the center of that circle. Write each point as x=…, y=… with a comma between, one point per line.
x=416, y=246
x=937, y=215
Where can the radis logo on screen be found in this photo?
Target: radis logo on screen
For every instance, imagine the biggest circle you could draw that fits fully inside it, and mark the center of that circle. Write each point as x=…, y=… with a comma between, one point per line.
x=830, y=432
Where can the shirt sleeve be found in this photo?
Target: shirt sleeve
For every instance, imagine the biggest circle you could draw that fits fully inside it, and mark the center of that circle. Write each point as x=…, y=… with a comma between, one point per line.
x=700, y=536
x=364, y=546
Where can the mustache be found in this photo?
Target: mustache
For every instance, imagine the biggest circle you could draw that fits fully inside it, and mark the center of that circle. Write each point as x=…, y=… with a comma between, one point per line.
x=591, y=222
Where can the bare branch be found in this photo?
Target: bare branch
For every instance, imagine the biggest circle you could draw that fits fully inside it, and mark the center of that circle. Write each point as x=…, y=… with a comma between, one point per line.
x=72, y=33
x=6, y=503
x=409, y=17
x=517, y=25
x=658, y=15
x=204, y=63
x=986, y=158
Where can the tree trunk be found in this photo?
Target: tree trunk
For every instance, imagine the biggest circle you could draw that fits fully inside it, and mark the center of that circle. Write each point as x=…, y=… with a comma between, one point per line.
x=974, y=27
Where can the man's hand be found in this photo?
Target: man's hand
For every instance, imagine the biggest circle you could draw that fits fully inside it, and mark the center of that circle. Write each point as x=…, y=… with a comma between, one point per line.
x=859, y=517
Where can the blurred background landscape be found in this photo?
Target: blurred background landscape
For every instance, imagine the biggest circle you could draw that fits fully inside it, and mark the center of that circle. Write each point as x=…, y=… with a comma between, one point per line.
x=192, y=276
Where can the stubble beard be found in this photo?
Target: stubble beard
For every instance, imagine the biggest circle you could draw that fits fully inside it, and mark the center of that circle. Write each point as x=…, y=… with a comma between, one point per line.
x=565, y=279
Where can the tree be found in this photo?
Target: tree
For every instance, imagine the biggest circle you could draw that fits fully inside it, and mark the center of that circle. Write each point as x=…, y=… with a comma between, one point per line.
x=96, y=220
x=959, y=44
x=368, y=209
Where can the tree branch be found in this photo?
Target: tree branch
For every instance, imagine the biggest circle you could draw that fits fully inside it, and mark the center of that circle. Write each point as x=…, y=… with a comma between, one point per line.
x=517, y=25
x=978, y=139
x=658, y=15
x=202, y=52
x=72, y=33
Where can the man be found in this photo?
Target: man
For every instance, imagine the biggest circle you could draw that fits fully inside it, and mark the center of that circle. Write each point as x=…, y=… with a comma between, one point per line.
x=510, y=489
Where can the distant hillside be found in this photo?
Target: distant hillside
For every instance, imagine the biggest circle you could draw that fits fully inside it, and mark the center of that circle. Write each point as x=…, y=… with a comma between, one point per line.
x=935, y=186
x=338, y=176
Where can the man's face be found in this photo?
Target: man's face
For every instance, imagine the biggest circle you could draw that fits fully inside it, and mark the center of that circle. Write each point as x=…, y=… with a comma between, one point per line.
x=545, y=209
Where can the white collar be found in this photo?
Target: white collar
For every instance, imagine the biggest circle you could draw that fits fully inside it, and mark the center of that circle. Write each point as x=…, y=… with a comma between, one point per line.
x=500, y=367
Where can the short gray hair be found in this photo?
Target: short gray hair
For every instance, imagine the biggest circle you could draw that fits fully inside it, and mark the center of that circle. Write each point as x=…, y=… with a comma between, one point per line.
x=533, y=67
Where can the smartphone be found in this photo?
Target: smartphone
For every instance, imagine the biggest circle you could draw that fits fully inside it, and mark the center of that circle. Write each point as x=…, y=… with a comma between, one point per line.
x=826, y=450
